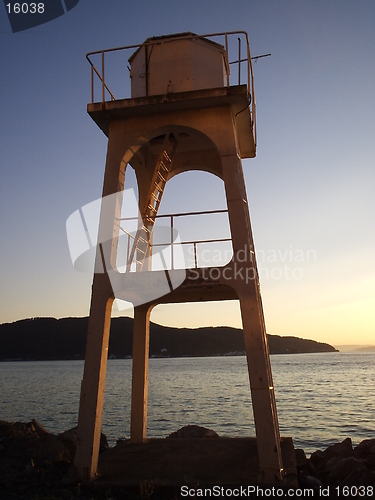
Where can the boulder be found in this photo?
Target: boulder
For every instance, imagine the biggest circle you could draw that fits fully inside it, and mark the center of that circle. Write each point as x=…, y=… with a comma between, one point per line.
x=69, y=439
x=332, y=462
x=360, y=477
x=47, y=448
x=343, y=449
x=39, y=429
x=370, y=461
x=319, y=459
x=364, y=448
x=343, y=468
x=15, y=437
x=16, y=430
x=301, y=459
x=193, y=431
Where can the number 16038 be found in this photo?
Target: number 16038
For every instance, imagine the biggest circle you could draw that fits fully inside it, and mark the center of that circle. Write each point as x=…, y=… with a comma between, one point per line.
x=25, y=8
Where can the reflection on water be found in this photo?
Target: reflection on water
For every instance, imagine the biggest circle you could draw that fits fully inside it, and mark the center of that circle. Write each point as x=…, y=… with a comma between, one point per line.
x=321, y=398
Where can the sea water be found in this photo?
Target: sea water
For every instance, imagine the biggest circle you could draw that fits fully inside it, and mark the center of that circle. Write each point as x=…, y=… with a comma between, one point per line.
x=321, y=398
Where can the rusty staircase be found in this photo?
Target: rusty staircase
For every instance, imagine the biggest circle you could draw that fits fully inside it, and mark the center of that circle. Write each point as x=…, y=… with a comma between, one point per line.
x=141, y=248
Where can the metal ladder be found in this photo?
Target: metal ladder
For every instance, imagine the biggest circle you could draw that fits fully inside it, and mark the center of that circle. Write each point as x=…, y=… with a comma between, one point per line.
x=141, y=248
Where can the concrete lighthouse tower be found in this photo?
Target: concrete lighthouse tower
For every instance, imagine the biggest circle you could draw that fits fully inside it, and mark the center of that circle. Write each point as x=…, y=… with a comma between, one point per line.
x=185, y=112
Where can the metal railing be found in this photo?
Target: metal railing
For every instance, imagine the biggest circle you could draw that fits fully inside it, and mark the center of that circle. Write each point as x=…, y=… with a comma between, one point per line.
x=172, y=243
x=229, y=49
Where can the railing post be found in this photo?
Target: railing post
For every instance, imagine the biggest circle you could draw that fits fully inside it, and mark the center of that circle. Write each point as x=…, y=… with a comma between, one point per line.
x=127, y=252
x=227, y=57
x=239, y=61
x=249, y=83
x=172, y=253
x=92, y=83
x=103, y=89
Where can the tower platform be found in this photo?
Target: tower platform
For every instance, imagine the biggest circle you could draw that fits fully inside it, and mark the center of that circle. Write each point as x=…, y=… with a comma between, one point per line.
x=236, y=97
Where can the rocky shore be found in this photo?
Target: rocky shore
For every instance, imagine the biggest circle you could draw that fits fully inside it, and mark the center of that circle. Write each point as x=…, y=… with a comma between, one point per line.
x=38, y=465
x=340, y=465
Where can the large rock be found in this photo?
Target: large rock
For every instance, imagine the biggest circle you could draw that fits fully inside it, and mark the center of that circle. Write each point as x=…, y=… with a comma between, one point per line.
x=360, y=477
x=39, y=429
x=332, y=462
x=364, y=448
x=343, y=449
x=16, y=430
x=47, y=448
x=193, y=431
x=69, y=439
x=370, y=461
x=343, y=468
x=301, y=459
x=319, y=459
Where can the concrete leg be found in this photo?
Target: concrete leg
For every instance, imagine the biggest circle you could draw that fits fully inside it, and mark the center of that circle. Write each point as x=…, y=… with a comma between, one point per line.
x=141, y=340
x=93, y=383
x=262, y=392
x=248, y=290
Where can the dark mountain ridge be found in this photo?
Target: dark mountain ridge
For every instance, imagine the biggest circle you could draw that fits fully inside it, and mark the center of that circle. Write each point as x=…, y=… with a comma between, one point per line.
x=65, y=338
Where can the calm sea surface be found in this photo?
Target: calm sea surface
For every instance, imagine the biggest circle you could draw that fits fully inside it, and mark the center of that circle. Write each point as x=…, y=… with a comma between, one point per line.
x=321, y=398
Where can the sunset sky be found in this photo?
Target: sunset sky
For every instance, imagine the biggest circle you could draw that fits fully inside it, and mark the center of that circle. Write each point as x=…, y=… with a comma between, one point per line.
x=310, y=188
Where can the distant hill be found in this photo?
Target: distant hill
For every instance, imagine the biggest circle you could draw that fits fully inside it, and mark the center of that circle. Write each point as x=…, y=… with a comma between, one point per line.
x=58, y=339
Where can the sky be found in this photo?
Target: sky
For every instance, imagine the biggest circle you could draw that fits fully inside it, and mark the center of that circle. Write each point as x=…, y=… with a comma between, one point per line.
x=310, y=188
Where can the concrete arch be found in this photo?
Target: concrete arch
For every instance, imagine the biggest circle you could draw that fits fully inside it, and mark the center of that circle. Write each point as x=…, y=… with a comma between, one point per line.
x=195, y=151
